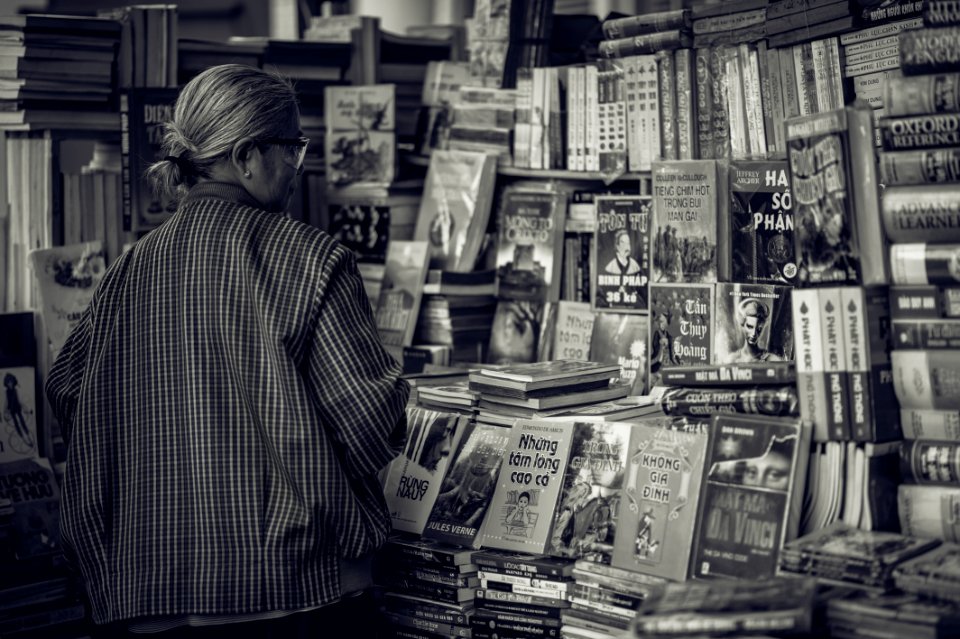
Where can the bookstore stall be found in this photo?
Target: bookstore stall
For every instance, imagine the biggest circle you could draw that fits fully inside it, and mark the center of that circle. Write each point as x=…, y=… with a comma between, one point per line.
x=676, y=290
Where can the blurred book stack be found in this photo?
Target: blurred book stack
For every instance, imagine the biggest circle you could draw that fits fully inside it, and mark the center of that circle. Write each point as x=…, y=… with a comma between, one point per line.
x=149, y=47
x=454, y=317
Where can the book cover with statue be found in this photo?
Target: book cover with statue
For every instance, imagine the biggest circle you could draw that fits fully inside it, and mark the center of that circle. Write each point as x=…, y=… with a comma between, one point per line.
x=753, y=323
x=530, y=244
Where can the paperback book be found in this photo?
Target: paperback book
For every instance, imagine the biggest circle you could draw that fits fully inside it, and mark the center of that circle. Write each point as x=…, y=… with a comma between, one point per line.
x=620, y=338
x=530, y=244
x=754, y=323
x=659, y=504
x=399, y=301
x=751, y=495
x=682, y=331
x=761, y=215
x=520, y=331
x=361, y=139
x=621, y=267
x=143, y=114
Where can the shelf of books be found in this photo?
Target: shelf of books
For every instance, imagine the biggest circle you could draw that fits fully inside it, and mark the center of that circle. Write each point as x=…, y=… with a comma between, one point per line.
x=680, y=313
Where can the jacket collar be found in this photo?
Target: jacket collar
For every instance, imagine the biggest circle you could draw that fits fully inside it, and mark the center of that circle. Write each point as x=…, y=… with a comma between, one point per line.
x=221, y=191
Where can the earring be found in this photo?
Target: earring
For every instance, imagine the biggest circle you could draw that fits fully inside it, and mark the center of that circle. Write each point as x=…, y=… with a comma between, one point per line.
x=246, y=174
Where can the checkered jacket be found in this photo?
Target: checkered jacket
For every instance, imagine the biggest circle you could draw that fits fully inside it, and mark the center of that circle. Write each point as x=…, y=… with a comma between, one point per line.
x=227, y=405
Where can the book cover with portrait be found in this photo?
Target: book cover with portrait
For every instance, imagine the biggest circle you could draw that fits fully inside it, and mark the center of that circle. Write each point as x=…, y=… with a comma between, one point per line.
x=460, y=508
x=659, y=504
x=413, y=478
x=590, y=505
x=621, y=256
x=528, y=486
x=400, y=293
x=761, y=215
x=530, y=244
x=751, y=494
x=754, y=323
x=681, y=327
x=621, y=338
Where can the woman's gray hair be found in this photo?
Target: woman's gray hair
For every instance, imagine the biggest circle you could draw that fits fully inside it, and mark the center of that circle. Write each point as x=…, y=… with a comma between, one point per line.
x=215, y=109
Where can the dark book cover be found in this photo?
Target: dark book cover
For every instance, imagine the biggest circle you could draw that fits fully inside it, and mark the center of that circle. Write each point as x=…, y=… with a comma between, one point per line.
x=871, y=12
x=761, y=217
x=754, y=323
x=621, y=339
x=751, y=494
x=622, y=253
x=530, y=245
x=930, y=50
x=519, y=331
x=35, y=524
x=143, y=113
x=775, y=401
x=364, y=228
x=682, y=327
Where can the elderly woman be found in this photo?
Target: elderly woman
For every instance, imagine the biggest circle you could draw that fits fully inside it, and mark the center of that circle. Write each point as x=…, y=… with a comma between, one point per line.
x=226, y=399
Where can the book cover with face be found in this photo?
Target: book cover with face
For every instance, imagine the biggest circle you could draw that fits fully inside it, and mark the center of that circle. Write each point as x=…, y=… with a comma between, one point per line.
x=754, y=323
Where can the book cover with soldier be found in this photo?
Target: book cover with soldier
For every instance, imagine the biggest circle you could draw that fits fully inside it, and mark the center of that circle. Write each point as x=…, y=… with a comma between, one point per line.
x=621, y=269
x=681, y=327
x=761, y=215
x=754, y=323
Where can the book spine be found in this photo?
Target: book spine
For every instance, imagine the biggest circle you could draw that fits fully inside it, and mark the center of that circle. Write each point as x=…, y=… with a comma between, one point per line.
x=880, y=31
x=856, y=49
x=922, y=166
x=773, y=102
x=581, y=118
x=921, y=95
x=766, y=99
x=646, y=43
x=592, y=112
x=930, y=425
x=721, y=120
x=778, y=401
x=440, y=628
x=704, y=102
x=811, y=381
x=754, y=102
x=821, y=82
x=871, y=244
x=788, y=83
x=661, y=21
x=787, y=7
x=857, y=365
x=686, y=105
x=736, y=109
x=927, y=379
x=126, y=185
x=930, y=463
x=920, y=263
x=834, y=364
x=835, y=73
x=534, y=152
x=924, y=302
x=668, y=106
x=730, y=374
x=930, y=50
x=926, y=334
x=923, y=213
x=631, y=72
x=874, y=55
x=873, y=66
x=941, y=13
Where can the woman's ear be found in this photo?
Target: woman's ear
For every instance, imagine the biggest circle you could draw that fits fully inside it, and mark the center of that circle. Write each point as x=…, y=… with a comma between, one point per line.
x=242, y=155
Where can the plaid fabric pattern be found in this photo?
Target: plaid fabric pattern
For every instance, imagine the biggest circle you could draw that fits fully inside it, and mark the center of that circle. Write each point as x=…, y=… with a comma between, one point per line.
x=227, y=405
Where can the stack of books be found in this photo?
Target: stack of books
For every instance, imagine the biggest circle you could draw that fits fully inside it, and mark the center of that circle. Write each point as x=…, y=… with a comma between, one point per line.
x=520, y=593
x=861, y=614
x=148, y=45
x=846, y=555
x=605, y=599
x=934, y=574
x=425, y=586
x=457, y=316
x=542, y=389
x=456, y=397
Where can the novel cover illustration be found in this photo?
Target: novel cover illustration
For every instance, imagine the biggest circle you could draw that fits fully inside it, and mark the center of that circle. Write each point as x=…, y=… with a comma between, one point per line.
x=528, y=486
x=400, y=295
x=460, y=508
x=754, y=323
x=413, y=479
x=529, y=245
x=621, y=269
x=143, y=114
x=362, y=228
x=360, y=141
x=660, y=497
x=748, y=488
x=681, y=331
x=761, y=215
x=620, y=338
x=686, y=221
x=585, y=522
x=18, y=440
x=518, y=334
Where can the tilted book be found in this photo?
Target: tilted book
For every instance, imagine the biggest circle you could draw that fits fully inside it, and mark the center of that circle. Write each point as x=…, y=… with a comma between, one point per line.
x=621, y=255
x=465, y=493
x=689, y=232
x=413, y=478
x=590, y=504
x=754, y=323
x=528, y=486
x=751, y=495
x=530, y=244
x=455, y=208
x=659, y=505
x=399, y=302
x=761, y=217
x=682, y=327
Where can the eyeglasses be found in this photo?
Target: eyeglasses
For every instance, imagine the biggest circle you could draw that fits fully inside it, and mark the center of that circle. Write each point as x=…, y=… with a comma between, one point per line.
x=300, y=144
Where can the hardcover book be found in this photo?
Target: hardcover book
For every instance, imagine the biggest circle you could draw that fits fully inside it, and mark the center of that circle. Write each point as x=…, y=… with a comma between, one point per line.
x=926, y=379
x=751, y=495
x=749, y=374
x=361, y=139
x=659, y=504
x=528, y=486
x=459, y=510
x=682, y=327
x=622, y=339
x=689, y=234
x=761, y=216
x=400, y=295
x=775, y=401
x=589, y=508
x=413, y=479
x=455, y=207
x=930, y=462
x=143, y=113
x=921, y=263
x=529, y=245
x=838, y=235
x=621, y=267
x=754, y=323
